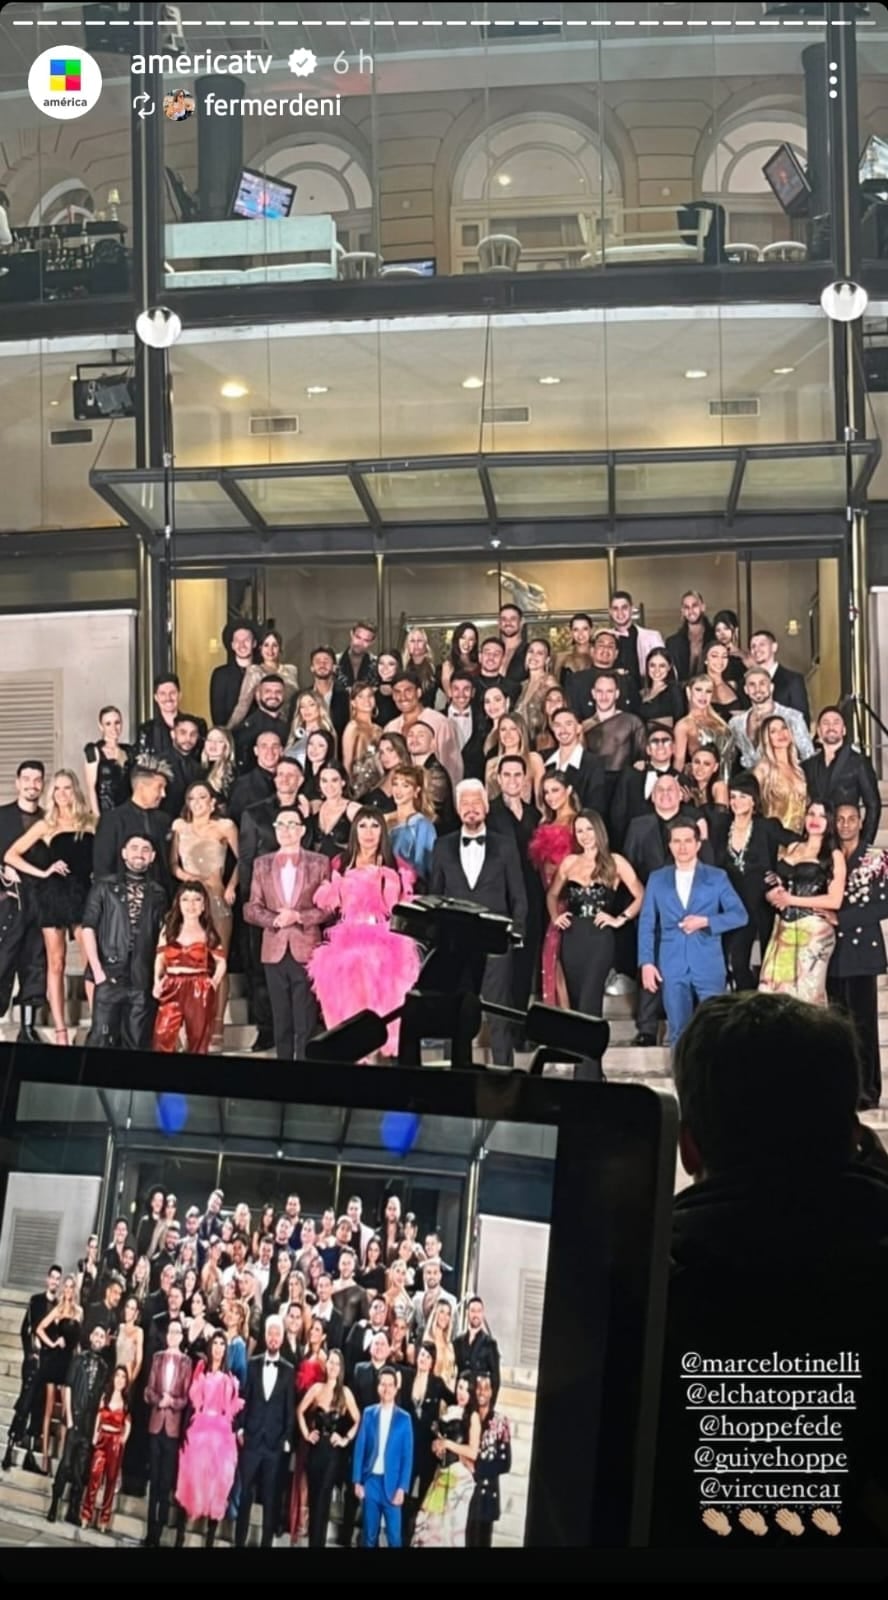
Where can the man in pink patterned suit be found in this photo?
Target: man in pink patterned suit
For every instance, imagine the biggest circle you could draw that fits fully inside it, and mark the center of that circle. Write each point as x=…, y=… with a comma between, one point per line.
x=282, y=904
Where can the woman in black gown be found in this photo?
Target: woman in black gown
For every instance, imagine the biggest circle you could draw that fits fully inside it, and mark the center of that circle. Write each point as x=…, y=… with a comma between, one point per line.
x=319, y=750
x=330, y=826
x=592, y=881
x=68, y=829
x=328, y=1419
x=108, y=763
x=747, y=850
x=661, y=696
x=58, y=1336
x=422, y=1395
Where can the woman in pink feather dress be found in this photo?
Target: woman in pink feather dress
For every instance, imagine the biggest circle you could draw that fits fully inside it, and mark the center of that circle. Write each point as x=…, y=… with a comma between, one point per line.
x=553, y=840
x=362, y=965
x=208, y=1460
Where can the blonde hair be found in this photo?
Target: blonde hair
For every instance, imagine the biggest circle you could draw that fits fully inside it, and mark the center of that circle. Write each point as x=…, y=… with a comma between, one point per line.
x=84, y=820
x=220, y=776
x=297, y=726
x=517, y=721
x=424, y=669
x=767, y=769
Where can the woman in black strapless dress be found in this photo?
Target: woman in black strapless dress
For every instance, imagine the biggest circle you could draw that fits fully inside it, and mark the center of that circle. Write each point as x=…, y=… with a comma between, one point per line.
x=58, y=1336
x=68, y=830
x=592, y=882
x=330, y=826
x=108, y=763
x=806, y=892
x=328, y=1419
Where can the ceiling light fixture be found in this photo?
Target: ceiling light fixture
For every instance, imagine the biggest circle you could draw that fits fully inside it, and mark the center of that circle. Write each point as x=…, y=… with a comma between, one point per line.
x=473, y=383
x=53, y=402
x=317, y=388
x=696, y=372
x=548, y=380
x=782, y=372
x=503, y=179
x=158, y=327
x=233, y=389
x=844, y=301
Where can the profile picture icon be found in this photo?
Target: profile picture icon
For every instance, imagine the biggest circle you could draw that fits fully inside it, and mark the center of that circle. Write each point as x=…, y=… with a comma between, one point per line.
x=179, y=105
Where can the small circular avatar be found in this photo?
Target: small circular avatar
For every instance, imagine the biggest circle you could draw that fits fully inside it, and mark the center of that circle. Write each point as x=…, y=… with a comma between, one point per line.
x=179, y=105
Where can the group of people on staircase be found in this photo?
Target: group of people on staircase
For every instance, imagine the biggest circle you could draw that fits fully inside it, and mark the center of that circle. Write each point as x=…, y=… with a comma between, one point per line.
x=553, y=786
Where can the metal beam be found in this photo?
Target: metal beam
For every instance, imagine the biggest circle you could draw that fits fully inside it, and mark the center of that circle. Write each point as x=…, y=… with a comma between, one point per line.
x=489, y=496
x=359, y=485
x=736, y=486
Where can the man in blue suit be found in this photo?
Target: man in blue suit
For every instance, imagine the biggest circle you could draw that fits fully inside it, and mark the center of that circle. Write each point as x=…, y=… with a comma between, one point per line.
x=383, y=1464
x=687, y=908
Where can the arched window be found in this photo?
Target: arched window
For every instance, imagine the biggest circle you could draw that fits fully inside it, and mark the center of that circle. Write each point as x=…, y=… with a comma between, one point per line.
x=67, y=200
x=533, y=175
x=330, y=180
x=730, y=166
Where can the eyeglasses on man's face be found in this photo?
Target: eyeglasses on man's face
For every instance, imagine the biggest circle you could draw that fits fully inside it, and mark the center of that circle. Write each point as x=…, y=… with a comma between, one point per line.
x=288, y=827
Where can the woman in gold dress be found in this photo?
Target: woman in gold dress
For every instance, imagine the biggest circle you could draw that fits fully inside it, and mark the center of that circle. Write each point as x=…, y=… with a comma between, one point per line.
x=783, y=785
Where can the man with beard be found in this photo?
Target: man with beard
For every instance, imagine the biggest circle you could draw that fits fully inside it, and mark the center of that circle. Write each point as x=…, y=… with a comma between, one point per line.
x=27, y=1416
x=604, y=664
x=687, y=646
x=634, y=644
x=267, y=716
x=121, y=924
x=407, y=696
x=81, y=1394
x=183, y=762
x=746, y=726
x=421, y=745
x=466, y=722
x=511, y=627
x=324, y=684
x=840, y=775
x=240, y=641
x=141, y=817
x=476, y=1350
x=155, y=737
x=357, y=664
x=788, y=687
x=22, y=951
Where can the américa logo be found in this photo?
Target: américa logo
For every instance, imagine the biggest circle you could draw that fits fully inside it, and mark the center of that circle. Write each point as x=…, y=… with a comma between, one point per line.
x=64, y=83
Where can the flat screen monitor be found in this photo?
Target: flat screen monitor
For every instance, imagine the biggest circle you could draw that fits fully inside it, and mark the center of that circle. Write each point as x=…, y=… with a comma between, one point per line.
x=788, y=180
x=257, y=195
x=874, y=160
x=549, y=1200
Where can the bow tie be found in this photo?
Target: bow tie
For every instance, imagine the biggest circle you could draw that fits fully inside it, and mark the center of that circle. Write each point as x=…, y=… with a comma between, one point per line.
x=271, y=1361
x=477, y=838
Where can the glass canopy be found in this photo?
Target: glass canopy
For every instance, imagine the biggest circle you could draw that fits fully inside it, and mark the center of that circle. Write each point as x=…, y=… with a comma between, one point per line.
x=486, y=490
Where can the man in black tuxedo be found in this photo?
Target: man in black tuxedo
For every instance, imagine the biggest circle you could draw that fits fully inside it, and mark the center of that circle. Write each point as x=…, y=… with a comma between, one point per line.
x=518, y=820
x=365, y=1381
x=325, y=1311
x=573, y=763
x=839, y=774
x=183, y=762
x=858, y=960
x=361, y=1336
x=265, y=1432
x=258, y=784
x=481, y=866
x=789, y=687
x=635, y=785
x=240, y=640
x=324, y=684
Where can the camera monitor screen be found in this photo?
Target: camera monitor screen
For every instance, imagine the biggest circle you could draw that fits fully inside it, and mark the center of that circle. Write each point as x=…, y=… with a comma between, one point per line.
x=387, y=1239
x=787, y=178
x=261, y=196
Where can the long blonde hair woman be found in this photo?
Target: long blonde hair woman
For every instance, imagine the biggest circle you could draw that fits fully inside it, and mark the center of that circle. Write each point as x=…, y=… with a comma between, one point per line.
x=217, y=760
x=701, y=725
x=58, y=1336
x=310, y=716
x=783, y=785
x=420, y=663
x=439, y=1332
x=513, y=740
x=68, y=831
x=360, y=740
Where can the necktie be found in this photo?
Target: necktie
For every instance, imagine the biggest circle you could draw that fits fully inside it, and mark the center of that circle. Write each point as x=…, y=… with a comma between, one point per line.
x=478, y=838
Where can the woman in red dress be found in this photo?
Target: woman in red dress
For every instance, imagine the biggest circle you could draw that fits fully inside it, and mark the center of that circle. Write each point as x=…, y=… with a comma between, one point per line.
x=188, y=969
x=110, y=1434
x=553, y=840
x=311, y=1370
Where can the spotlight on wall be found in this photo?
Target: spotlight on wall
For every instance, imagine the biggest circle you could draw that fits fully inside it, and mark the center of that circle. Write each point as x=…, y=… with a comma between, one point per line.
x=844, y=301
x=158, y=327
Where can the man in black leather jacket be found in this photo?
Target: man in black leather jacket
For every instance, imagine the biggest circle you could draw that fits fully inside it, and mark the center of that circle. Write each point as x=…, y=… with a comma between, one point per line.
x=121, y=924
x=82, y=1392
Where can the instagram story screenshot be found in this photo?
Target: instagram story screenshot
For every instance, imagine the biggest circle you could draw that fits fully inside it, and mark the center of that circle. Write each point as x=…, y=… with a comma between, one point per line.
x=443, y=751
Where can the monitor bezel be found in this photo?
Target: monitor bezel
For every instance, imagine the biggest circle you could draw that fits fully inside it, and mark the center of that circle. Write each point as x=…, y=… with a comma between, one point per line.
x=264, y=177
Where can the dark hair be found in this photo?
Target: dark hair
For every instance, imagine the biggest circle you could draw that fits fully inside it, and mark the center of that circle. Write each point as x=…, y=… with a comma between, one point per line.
x=835, y=711
x=454, y=656
x=106, y=712
x=729, y=618
x=767, y=1082
x=682, y=821
x=330, y=740
x=519, y=759
x=604, y=674
x=384, y=854
x=386, y=1372
x=109, y=1386
x=334, y=766
x=172, y=926
x=830, y=838
x=430, y=1350
x=270, y=632
x=406, y=677
x=291, y=761
x=660, y=728
x=160, y=678
x=30, y=766
x=580, y=616
x=509, y=605
x=271, y=677
x=564, y=711
x=185, y=716
x=659, y=650
x=747, y=783
x=621, y=594
x=323, y=650
x=199, y=783
x=368, y=627
x=56, y=1268
x=763, y=633
x=492, y=638
x=117, y=1221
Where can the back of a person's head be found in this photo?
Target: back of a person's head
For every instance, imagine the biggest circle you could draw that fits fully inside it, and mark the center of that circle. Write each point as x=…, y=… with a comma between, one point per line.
x=768, y=1085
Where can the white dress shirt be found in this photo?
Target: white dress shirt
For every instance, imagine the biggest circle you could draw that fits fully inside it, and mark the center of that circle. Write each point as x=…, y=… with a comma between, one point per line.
x=169, y=1374
x=684, y=884
x=385, y=1422
x=288, y=879
x=471, y=856
x=461, y=722
x=269, y=1376
x=557, y=762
